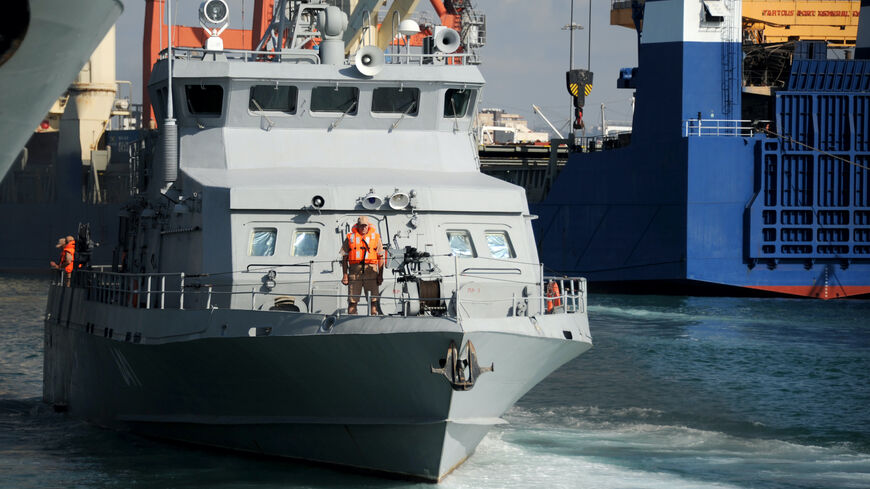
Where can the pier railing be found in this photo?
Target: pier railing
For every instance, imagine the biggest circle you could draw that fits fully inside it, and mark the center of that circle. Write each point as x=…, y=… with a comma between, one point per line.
x=194, y=291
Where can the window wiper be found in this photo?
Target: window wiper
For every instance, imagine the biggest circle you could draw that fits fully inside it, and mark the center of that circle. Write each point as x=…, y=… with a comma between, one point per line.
x=347, y=111
x=453, y=106
x=407, y=111
x=264, y=116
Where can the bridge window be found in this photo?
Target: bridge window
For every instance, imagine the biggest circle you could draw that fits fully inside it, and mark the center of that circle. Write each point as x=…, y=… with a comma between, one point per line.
x=460, y=243
x=396, y=100
x=204, y=100
x=456, y=102
x=715, y=11
x=305, y=242
x=500, y=245
x=262, y=242
x=335, y=99
x=273, y=98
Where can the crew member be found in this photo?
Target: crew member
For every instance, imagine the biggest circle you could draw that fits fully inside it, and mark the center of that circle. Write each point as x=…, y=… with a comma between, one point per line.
x=67, y=257
x=362, y=265
x=60, y=244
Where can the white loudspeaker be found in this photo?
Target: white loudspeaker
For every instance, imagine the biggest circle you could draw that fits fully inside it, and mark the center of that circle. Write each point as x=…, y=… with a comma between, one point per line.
x=446, y=39
x=369, y=60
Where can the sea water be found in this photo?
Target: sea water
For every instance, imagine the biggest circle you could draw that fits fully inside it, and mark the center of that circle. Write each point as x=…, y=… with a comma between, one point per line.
x=678, y=392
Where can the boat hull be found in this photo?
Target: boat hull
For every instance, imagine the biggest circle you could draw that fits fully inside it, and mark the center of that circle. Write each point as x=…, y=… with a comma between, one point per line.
x=721, y=187
x=673, y=216
x=360, y=394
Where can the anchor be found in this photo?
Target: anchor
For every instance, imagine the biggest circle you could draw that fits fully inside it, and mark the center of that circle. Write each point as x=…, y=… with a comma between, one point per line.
x=454, y=367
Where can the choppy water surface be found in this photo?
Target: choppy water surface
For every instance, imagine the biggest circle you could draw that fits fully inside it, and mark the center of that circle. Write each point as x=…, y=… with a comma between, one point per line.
x=677, y=393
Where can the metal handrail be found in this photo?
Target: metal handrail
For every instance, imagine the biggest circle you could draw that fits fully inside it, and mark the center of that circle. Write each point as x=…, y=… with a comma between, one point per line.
x=572, y=292
x=150, y=291
x=724, y=127
x=421, y=59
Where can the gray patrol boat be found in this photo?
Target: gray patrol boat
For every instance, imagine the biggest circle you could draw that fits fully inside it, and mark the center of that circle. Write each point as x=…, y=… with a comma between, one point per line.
x=224, y=322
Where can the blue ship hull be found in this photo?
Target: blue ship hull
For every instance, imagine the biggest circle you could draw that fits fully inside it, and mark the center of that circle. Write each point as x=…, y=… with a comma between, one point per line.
x=700, y=202
x=679, y=216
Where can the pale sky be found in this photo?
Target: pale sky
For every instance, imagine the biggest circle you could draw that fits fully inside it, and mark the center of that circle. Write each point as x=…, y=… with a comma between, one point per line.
x=524, y=60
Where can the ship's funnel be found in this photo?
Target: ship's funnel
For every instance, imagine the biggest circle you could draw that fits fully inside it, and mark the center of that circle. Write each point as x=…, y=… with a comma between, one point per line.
x=862, y=41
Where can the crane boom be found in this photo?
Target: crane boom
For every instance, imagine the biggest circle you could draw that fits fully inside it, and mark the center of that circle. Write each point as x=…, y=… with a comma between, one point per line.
x=540, y=113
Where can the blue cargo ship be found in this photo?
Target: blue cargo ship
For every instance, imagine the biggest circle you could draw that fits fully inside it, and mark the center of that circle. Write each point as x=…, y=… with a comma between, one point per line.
x=722, y=189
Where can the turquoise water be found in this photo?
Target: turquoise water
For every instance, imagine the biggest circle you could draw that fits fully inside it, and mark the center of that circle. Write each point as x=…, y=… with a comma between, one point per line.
x=678, y=393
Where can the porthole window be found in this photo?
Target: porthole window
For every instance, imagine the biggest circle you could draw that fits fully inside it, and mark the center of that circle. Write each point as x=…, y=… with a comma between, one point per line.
x=499, y=244
x=335, y=99
x=204, y=100
x=395, y=100
x=460, y=243
x=456, y=102
x=305, y=242
x=262, y=242
x=273, y=98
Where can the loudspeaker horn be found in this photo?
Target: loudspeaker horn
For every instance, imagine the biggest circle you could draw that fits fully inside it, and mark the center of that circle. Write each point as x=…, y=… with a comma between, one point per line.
x=369, y=60
x=447, y=40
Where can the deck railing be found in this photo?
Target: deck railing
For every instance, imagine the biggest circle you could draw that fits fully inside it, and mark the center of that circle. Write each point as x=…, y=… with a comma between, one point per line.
x=391, y=57
x=189, y=291
x=724, y=127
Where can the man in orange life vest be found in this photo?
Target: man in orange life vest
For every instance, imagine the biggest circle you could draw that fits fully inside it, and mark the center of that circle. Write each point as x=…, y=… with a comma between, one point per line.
x=67, y=257
x=362, y=264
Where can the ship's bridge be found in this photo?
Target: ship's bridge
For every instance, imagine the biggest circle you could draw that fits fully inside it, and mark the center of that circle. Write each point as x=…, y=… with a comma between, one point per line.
x=237, y=111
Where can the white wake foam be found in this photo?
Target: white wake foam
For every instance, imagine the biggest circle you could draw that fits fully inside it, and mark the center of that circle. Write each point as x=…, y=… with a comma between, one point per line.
x=559, y=449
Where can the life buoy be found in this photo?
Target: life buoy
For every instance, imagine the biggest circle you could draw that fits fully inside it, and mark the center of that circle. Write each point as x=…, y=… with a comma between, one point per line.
x=554, y=298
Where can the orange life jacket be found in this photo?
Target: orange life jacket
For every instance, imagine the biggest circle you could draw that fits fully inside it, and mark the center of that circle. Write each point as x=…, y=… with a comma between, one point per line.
x=363, y=248
x=71, y=249
x=553, y=297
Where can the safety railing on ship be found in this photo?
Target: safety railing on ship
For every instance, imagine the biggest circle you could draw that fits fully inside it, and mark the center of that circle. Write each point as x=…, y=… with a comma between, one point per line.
x=724, y=127
x=556, y=295
x=570, y=294
x=138, y=290
x=187, y=54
